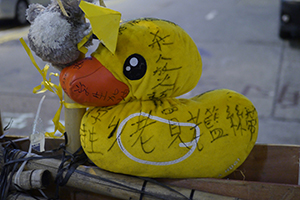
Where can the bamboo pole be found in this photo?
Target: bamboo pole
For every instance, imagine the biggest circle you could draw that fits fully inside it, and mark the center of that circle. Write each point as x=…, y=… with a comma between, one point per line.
x=245, y=190
x=20, y=196
x=32, y=179
x=95, y=180
x=73, y=118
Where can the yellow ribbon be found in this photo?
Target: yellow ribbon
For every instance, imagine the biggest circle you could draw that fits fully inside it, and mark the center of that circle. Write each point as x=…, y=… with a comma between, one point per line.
x=56, y=89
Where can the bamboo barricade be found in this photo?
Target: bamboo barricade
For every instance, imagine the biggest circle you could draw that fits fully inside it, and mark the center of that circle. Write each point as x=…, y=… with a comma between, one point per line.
x=246, y=190
x=270, y=172
x=95, y=180
x=73, y=118
x=20, y=196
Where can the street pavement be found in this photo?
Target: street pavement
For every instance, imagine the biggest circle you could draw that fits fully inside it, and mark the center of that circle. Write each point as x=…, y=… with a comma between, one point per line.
x=240, y=48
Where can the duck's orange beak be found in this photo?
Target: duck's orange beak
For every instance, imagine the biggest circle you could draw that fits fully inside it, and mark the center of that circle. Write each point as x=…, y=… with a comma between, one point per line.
x=89, y=83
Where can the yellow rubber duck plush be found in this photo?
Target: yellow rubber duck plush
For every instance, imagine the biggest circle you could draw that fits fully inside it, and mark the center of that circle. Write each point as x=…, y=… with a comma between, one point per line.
x=137, y=125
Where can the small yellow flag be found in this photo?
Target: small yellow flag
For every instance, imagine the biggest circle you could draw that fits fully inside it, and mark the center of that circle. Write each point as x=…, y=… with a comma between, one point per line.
x=105, y=23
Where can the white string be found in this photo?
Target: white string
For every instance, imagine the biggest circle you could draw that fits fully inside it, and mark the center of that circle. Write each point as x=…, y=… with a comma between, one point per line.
x=18, y=173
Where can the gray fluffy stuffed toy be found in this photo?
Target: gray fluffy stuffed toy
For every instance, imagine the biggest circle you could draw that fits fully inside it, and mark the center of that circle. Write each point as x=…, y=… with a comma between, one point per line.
x=54, y=35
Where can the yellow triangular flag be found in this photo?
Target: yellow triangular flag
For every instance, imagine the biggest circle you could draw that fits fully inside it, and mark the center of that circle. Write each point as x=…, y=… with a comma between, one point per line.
x=105, y=23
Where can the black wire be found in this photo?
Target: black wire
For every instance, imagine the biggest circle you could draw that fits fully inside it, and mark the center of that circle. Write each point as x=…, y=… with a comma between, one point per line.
x=29, y=158
x=12, y=157
x=76, y=159
x=150, y=180
x=69, y=164
x=28, y=193
x=9, y=124
x=7, y=171
x=125, y=187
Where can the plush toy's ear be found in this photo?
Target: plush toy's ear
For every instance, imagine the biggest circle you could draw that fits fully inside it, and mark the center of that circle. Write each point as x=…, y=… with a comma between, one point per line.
x=33, y=11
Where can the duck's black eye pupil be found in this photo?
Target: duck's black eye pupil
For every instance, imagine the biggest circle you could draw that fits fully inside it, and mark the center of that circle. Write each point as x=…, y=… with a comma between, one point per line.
x=135, y=67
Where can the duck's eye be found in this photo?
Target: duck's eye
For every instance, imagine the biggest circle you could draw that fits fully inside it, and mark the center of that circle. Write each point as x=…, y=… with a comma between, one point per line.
x=135, y=67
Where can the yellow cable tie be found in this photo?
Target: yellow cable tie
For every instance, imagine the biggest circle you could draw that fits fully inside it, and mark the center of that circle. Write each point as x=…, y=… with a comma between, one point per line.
x=81, y=46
